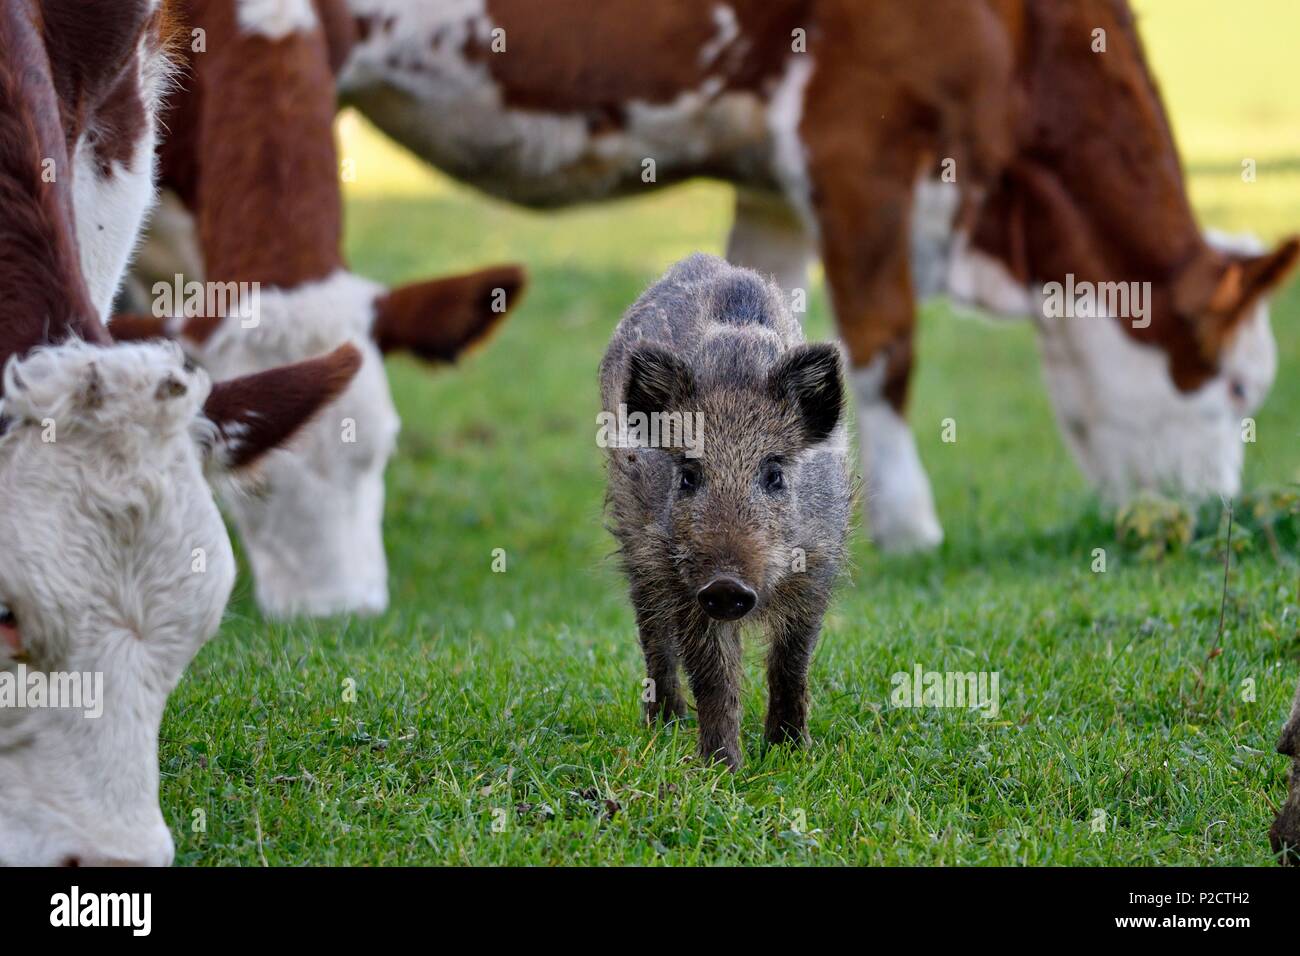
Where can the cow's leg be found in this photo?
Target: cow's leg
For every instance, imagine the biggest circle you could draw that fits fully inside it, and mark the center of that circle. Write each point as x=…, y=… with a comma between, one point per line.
x=711, y=653
x=863, y=198
x=172, y=245
x=654, y=629
x=170, y=248
x=1285, y=832
x=900, y=504
x=770, y=237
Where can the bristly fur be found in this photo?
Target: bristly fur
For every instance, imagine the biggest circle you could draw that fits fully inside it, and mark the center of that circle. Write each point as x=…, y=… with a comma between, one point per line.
x=1284, y=835
x=728, y=336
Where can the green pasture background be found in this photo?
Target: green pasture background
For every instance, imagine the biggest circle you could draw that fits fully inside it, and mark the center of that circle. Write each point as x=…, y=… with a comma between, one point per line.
x=496, y=715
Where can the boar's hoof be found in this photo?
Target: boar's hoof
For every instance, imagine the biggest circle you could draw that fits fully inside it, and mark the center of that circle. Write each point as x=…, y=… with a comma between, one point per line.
x=668, y=710
x=1284, y=835
x=785, y=735
x=727, y=756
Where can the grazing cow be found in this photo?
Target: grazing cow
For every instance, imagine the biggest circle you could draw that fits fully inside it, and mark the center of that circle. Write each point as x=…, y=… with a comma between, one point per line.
x=250, y=153
x=991, y=158
x=116, y=566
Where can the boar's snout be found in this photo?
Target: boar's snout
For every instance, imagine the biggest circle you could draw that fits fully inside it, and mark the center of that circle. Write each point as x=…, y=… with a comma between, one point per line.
x=726, y=598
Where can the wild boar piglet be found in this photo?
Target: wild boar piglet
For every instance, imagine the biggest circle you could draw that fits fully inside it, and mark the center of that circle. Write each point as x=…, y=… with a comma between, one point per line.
x=729, y=491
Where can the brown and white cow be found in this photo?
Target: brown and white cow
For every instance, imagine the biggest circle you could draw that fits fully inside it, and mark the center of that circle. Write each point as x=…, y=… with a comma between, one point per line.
x=837, y=120
x=250, y=154
x=115, y=566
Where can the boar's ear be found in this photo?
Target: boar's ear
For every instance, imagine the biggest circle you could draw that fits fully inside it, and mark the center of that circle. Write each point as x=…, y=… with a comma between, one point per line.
x=657, y=380
x=809, y=376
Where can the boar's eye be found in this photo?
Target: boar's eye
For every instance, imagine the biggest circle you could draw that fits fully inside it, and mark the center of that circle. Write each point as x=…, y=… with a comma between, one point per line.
x=9, y=634
x=690, y=478
x=772, y=476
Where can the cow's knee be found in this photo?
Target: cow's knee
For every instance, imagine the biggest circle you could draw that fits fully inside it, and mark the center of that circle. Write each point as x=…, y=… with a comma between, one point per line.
x=900, y=504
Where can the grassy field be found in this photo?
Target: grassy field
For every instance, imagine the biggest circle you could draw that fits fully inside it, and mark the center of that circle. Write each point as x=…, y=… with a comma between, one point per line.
x=496, y=716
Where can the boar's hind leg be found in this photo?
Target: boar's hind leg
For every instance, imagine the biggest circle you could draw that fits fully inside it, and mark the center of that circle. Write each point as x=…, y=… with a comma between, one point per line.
x=1285, y=832
x=711, y=652
x=655, y=630
x=793, y=639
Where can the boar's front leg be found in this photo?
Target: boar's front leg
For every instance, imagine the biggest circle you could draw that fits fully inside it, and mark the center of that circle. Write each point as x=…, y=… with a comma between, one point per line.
x=793, y=638
x=1285, y=832
x=658, y=643
x=711, y=653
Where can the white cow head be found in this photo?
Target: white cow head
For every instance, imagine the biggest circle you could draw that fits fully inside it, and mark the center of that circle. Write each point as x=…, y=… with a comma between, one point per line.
x=1124, y=403
x=313, y=525
x=1130, y=422
x=115, y=563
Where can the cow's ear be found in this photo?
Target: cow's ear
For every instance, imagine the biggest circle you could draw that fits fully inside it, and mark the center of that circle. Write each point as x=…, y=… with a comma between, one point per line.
x=1248, y=279
x=248, y=417
x=1219, y=292
x=440, y=319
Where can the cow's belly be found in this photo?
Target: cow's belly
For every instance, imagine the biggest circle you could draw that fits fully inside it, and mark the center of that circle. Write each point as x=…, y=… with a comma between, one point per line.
x=412, y=78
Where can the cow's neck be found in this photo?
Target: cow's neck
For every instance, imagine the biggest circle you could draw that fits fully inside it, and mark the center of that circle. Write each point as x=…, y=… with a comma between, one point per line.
x=254, y=156
x=1098, y=180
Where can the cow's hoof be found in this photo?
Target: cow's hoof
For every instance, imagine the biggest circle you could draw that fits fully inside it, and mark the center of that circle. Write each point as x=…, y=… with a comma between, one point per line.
x=906, y=530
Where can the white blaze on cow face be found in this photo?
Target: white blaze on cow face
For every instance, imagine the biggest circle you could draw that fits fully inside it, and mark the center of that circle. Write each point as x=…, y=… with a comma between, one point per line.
x=1130, y=428
x=1250, y=360
x=313, y=526
x=104, y=510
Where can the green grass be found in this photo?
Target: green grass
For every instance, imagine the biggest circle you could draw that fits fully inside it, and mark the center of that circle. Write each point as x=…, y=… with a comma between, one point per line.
x=512, y=699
